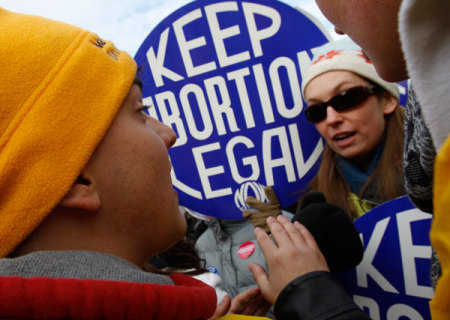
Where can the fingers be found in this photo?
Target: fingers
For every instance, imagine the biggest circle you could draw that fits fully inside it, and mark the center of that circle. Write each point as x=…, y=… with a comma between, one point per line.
x=241, y=301
x=307, y=236
x=262, y=280
x=284, y=232
x=262, y=307
x=257, y=307
x=271, y=196
x=250, y=302
x=265, y=243
x=259, y=274
x=255, y=203
x=222, y=308
x=247, y=214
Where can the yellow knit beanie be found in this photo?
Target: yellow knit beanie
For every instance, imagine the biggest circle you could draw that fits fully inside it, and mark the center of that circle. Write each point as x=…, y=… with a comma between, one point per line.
x=60, y=88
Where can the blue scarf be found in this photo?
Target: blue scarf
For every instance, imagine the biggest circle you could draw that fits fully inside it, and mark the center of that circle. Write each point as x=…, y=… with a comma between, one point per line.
x=355, y=177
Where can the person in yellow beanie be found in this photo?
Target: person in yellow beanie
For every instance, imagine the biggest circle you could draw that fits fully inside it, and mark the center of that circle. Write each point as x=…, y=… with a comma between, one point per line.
x=86, y=196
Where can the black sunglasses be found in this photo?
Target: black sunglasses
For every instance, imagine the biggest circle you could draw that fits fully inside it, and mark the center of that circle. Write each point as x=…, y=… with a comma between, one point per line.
x=344, y=100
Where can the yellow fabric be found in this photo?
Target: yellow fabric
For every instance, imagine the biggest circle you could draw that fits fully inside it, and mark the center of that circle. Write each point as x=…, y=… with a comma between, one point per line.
x=440, y=232
x=360, y=206
x=61, y=86
x=240, y=317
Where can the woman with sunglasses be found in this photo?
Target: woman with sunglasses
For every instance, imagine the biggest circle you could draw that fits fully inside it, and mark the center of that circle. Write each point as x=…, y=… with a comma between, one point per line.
x=358, y=115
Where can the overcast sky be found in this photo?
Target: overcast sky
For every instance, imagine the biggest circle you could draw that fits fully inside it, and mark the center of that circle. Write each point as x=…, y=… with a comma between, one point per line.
x=126, y=23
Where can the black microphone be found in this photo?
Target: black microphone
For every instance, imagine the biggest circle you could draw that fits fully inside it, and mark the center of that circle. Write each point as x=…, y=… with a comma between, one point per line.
x=333, y=231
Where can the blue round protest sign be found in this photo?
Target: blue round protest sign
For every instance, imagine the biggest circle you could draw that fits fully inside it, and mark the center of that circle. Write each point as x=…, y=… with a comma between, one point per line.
x=403, y=87
x=393, y=279
x=226, y=76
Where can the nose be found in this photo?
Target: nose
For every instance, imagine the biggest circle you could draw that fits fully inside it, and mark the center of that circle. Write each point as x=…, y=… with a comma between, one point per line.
x=167, y=135
x=339, y=31
x=333, y=117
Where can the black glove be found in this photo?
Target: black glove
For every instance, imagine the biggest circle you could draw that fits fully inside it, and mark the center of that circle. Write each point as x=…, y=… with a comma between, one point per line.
x=333, y=231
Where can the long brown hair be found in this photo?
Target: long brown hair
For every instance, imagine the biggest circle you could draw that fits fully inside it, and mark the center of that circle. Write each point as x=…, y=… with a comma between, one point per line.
x=388, y=173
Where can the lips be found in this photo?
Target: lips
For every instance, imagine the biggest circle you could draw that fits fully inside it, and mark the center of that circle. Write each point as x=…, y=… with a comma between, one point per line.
x=343, y=136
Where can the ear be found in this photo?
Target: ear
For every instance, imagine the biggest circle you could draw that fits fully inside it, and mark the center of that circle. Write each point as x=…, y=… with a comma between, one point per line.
x=82, y=195
x=390, y=103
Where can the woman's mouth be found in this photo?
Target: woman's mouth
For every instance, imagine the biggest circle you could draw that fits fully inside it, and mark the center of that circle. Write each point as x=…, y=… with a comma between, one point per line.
x=343, y=139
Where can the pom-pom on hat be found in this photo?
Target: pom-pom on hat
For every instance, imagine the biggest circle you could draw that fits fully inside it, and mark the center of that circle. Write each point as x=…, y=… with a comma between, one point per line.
x=345, y=55
x=61, y=87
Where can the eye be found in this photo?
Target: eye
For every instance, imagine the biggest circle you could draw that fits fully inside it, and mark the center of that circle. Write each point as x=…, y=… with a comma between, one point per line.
x=144, y=110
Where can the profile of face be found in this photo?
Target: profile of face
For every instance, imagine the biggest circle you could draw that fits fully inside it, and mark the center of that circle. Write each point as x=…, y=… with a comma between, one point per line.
x=354, y=133
x=373, y=25
x=130, y=171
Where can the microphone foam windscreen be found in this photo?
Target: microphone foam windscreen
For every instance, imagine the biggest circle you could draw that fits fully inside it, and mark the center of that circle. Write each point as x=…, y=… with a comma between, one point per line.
x=333, y=231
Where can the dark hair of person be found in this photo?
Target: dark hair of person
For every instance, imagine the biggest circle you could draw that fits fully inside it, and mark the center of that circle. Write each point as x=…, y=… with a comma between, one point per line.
x=183, y=258
x=387, y=175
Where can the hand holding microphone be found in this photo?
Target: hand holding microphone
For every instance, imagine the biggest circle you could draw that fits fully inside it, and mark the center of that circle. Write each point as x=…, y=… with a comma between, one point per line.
x=333, y=231
x=326, y=240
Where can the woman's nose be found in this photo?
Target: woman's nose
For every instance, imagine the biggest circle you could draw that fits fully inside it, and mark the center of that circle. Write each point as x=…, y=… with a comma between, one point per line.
x=333, y=116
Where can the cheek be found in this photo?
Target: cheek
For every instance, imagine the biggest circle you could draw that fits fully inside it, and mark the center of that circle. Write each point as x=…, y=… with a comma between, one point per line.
x=322, y=128
x=324, y=5
x=374, y=127
x=379, y=128
x=331, y=11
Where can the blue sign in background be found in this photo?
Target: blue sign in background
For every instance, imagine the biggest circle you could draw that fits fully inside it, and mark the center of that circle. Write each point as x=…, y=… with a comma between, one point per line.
x=226, y=76
x=403, y=90
x=393, y=280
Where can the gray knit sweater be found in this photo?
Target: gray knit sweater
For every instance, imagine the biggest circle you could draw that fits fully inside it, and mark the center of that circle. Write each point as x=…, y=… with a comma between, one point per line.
x=78, y=265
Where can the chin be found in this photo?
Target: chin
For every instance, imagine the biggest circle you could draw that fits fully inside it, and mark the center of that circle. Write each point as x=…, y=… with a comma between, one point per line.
x=180, y=227
x=183, y=229
x=391, y=72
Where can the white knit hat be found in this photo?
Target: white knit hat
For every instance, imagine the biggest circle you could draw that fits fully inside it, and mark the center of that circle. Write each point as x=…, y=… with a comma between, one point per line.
x=344, y=54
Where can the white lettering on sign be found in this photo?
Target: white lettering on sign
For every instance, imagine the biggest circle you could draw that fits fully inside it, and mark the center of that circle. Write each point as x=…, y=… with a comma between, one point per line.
x=218, y=105
x=398, y=311
x=274, y=71
x=263, y=93
x=408, y=258
x=251, y=161
x=303, y=166
x=366, y=268
x=284, y=161
x=370, y=304
x=411, y=252
x=219, y=35
x=242, y=193
x=250, y=9
x=395, y=312
x=270, y=138
x=156, y=61
x=197, y=94
x=205, y=173
x=186, y=46
x=216, y=94
x=408, y=251
x=238, y=77
x=215, y=86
